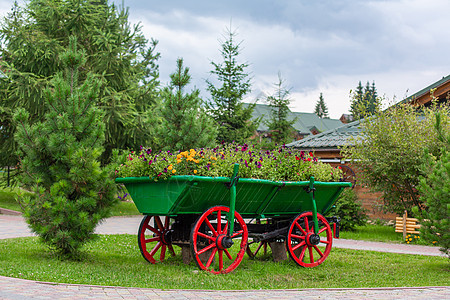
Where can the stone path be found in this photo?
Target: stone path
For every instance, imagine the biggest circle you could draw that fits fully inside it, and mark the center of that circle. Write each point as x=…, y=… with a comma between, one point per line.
x=15, y=289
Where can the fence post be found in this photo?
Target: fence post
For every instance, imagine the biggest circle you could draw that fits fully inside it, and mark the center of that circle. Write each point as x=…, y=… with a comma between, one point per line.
x=405, y=215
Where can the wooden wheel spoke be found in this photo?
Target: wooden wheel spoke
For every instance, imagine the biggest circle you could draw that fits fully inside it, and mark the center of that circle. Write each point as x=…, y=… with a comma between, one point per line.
x=166, y=223
x=219, y=220
x=228, y=254
x=300, y=237
x=318, y=251
x=210, y=246
x=259, y=247
x=306, y=224
x=155, y=249
x=300, y=228
x=302, y=254
x=211, y=258
x=311, y=256
x=211, y=227
x=325, y=242
x=163, y=252
x=299, y=245
x=172, y=252
x=154, y=230
x=211, y=238
x=322, y=230
x=220, y=260
x=153, y=239
x=159, y=223
x=240, y=232
x=225, y=229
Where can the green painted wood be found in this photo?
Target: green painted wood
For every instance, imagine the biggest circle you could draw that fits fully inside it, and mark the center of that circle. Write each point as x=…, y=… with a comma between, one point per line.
x=195, y=194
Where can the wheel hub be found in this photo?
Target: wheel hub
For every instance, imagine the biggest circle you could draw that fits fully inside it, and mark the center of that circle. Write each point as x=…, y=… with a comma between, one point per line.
x=224, y=242
x=313, y=239
x=166, y=237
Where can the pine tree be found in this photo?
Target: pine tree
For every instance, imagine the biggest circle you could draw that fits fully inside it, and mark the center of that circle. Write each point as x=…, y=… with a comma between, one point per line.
x=60, y=160
x=185, y=124
x=321, y=108
x=364, y=101
x=279, y=125
x=226, y=107
x=33, y=36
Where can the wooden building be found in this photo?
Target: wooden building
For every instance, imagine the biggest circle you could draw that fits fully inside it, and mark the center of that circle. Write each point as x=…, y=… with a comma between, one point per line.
x=326, y=146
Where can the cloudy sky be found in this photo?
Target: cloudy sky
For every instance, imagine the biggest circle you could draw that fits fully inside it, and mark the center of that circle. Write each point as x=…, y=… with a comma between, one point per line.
x=317, y=46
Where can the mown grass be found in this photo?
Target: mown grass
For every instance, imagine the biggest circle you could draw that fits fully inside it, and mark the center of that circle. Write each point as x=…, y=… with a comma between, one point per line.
x=116, y=261
x=375, y=233
x=8, y=201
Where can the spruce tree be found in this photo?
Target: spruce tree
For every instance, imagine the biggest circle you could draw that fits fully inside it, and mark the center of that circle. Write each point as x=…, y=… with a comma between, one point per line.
x=321, y=108
x=60, y=160
x=33, y=36
x=364, y=101
x=279, y=125
x=184, y=122
x=232, y=117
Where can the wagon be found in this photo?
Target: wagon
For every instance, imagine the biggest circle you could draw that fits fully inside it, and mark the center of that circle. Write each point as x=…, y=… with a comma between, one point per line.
x=219, y=219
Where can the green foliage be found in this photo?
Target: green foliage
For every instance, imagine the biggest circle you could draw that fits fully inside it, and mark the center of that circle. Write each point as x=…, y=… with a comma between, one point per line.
x=389, y=152
x=184, y=122
x=60, y=161
x=435, y=191
x=226, y=107
x=282, y=164
x=32, y=38
x=321, y=108
x=280, y=127
x=364, y=102
x=349, y=210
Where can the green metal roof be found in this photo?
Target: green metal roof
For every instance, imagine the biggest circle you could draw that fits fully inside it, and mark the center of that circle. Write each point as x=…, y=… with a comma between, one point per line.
x=426, y=90
x=303, y=124
x=331, y=139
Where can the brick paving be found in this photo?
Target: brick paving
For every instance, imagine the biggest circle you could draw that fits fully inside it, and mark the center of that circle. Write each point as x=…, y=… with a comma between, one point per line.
x=18, y=289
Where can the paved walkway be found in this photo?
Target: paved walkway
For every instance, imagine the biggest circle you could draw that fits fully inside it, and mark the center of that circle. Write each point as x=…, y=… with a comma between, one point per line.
x=15, y=289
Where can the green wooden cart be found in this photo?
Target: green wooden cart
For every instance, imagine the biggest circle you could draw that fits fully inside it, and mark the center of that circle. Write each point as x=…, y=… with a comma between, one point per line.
x=216, y=216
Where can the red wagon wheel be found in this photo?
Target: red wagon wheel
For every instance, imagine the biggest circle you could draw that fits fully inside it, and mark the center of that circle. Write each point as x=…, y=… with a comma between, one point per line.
x=213, y=250
x=151, y=232
x=306, y=248
x=253, y=252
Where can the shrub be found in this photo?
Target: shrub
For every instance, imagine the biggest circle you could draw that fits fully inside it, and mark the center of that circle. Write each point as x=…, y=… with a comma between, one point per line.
x=349, y=210
x=60, y=162
x=389, y=152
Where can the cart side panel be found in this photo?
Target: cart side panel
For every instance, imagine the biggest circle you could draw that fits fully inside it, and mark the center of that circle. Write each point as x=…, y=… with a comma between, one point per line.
x=156, y=198
x=295, y=199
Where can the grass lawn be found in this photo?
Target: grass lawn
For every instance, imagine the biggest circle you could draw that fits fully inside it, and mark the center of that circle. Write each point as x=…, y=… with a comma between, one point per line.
x=375, y=233
x=7, y=200
x=116, y=261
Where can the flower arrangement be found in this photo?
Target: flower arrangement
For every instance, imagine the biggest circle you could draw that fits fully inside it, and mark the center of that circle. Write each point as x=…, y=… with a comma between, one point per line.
x=283, y=164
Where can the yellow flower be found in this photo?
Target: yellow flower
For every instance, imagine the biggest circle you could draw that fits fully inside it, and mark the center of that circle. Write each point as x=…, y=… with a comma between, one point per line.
x=178, y=161
x=174, y=171
x=196, y=161
x=189, y=158
x=170, y=167
x=179, y=156
x=213, y=158
x=195, y=171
